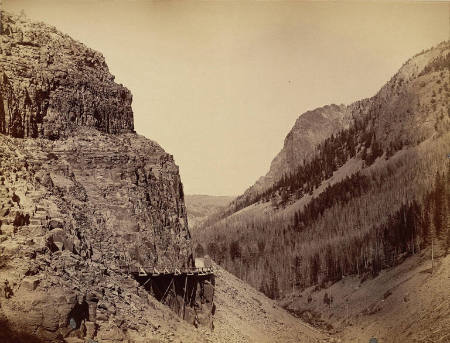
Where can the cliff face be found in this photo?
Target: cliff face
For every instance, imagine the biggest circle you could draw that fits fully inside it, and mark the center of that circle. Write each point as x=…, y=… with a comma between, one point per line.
x=122, y=194
x=50, y=83
x=309, y=130
x=82, y=196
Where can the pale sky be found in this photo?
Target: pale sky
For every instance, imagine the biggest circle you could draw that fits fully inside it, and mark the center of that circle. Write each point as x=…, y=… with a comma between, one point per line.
x=220, y=84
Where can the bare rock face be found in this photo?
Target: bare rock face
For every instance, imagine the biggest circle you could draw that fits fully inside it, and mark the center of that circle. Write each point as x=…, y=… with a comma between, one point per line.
x=117, y=197
x=50, y=83
x=97, y=205
x=310, y=129
x=83, y=199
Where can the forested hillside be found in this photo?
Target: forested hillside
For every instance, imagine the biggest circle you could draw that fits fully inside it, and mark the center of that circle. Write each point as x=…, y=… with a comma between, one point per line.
x=368, y=196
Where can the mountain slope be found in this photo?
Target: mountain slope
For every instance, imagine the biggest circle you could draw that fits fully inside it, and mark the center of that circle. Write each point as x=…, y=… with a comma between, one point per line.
x=309, y=130
x=199, y=207
x=407, y=303
x=245, y=315
x=393, y=118
x=367, y=195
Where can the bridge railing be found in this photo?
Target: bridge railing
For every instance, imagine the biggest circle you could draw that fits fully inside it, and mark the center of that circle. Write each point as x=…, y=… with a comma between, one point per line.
x=143, y=271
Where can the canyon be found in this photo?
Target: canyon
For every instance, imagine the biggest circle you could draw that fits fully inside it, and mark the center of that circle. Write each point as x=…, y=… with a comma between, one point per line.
x=347, y=233
x=94, y=237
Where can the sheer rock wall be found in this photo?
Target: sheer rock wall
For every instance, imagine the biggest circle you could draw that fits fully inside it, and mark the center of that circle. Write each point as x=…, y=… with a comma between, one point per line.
x=50, y=83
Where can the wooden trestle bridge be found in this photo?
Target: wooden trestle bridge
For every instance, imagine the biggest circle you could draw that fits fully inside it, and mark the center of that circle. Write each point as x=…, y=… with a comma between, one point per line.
x=142, y=272
x=182, y=282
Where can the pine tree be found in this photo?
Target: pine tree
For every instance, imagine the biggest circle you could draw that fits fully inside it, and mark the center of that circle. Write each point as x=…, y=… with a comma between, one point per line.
x=438, y=213
x=426, y=221
x=274, y=289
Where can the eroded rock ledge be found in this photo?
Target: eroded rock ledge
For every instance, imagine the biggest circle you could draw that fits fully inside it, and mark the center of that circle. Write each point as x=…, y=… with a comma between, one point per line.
x=72, y=213
x=50, y=83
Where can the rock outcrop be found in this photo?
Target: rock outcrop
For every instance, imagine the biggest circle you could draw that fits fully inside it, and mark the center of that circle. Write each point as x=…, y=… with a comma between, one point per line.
x=310, y=129
x=50, y=83
x=84, y=199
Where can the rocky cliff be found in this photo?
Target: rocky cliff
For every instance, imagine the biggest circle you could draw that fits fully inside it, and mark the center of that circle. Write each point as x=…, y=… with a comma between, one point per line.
x=51, y=83
x=310, y=129
x=83, y=198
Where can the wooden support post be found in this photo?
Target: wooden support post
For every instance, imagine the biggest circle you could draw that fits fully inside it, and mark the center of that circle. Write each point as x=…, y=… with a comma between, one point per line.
x=174, y=288
x=149, y=279
x=194, y=286
x=432, y=255
x=184, y=296
x=165, y=293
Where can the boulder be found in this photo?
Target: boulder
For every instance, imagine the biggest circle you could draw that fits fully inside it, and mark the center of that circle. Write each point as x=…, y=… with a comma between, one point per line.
x=30, y=283
x=111, y=335
x=55, y=224
x=57, y=239
x=91, y=329
x=107, y=306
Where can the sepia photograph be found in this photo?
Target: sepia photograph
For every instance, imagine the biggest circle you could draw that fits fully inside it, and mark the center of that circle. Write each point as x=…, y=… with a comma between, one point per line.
x=229, y=171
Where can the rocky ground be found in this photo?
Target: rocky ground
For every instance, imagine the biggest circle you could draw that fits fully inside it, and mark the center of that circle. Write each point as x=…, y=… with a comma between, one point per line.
x=246, y=315
x=407, y=303
x=65, y=234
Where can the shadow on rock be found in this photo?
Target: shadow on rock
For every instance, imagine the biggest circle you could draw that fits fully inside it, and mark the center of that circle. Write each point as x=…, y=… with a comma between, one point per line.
x=8, y=335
